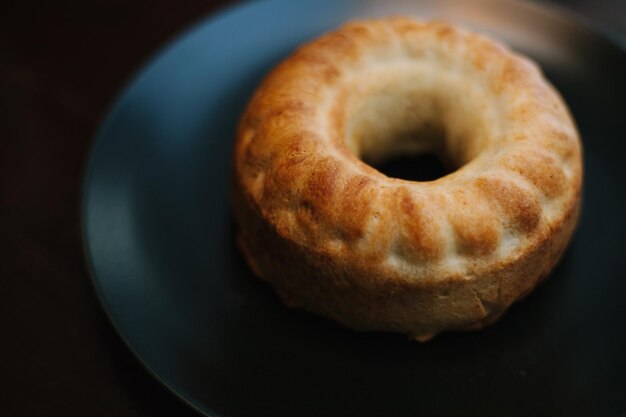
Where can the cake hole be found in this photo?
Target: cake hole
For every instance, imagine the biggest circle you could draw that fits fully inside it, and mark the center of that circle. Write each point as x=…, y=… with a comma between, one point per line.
x=414, y=123
x=421, y=167
x=416, y=154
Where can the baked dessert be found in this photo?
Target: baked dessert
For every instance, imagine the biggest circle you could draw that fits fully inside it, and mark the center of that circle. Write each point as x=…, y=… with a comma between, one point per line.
x=336, y=237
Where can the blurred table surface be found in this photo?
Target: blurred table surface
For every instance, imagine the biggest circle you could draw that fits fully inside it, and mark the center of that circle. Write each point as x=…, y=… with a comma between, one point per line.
x=61, y=65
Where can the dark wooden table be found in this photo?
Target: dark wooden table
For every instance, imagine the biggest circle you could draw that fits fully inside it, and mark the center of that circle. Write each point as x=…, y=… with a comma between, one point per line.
x=61, y=65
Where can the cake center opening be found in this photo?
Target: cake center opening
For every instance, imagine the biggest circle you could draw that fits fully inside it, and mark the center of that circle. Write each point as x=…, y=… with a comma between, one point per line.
x=420, y=167
x=414, y=123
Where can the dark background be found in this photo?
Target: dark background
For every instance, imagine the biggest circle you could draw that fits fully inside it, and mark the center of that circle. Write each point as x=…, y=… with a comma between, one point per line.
x=62, y=64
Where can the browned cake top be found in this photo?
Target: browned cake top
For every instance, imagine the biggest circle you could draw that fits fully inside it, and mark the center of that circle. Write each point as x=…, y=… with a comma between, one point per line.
x=382, y=87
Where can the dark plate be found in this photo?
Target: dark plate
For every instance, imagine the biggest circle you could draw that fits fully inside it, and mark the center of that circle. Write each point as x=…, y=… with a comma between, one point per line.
x=159, y=239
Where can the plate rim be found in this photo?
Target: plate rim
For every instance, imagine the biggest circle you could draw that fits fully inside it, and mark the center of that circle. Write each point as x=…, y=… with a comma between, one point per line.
x=87, y=178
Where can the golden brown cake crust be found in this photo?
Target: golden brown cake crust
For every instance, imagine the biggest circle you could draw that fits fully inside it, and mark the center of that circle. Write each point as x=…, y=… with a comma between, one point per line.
x=336, y=237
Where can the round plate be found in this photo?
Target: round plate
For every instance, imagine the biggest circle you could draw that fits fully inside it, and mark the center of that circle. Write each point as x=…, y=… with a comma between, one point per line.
x=159, y=240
